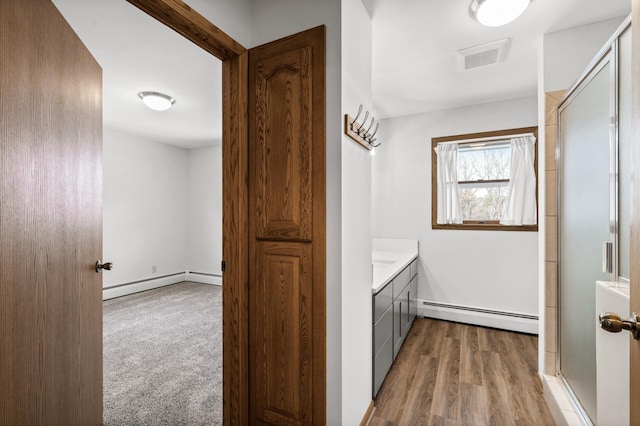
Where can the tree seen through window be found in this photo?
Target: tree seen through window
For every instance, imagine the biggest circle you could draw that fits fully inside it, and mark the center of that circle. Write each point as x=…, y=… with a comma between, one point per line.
x=483, y=180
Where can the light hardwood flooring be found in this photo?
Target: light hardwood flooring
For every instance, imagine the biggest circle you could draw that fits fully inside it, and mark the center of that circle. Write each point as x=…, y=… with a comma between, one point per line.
x=456, y=374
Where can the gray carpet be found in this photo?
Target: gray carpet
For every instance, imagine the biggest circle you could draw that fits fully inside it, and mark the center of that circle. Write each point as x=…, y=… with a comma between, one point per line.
x=163, y=357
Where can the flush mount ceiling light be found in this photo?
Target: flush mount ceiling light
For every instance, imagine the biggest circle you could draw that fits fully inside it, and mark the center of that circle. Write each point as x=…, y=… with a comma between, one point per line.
x=156, y=101
x=494, y=13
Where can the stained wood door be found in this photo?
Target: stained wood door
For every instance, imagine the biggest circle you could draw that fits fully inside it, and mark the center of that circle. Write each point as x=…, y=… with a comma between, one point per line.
x=634, y=395
x=287, y=231
x=50, y=220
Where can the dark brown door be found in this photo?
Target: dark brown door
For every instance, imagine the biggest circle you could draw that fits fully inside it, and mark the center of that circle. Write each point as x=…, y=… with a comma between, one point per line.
x=50, y=220
x=287, y=231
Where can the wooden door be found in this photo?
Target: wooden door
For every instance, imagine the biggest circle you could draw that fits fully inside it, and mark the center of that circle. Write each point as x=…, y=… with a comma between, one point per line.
x=50, y=220
x=634, y=395
x=287, y=231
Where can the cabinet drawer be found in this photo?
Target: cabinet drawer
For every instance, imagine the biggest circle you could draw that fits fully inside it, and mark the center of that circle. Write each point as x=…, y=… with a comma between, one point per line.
x=381, y=365
x=382, y=330
x=414, y=268
x=400, y=281
x=381, y=301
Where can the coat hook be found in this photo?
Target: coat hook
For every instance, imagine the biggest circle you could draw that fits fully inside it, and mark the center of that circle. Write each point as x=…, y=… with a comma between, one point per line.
x=362, y=134
x=373, y=120
x=374, y=132
x=357, y=115
x=366, y=117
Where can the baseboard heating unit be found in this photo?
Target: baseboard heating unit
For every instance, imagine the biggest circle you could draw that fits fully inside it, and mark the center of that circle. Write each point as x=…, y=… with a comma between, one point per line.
x=506, y=320
x=155, y=282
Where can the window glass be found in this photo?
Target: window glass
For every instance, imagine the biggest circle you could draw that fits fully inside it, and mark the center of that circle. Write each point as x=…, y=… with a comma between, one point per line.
x=483, y=180
x=482, y=169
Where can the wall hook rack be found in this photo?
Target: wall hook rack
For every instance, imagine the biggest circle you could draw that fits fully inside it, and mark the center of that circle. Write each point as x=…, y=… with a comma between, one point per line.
x=360, y=132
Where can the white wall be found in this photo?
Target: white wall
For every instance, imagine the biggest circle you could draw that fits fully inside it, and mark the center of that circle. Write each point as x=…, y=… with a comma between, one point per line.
x=568, y=52
x=204, y=225
x=144, y=208
x=356, y=219
x=162, y=207
x=274, y=19
x=485, y=269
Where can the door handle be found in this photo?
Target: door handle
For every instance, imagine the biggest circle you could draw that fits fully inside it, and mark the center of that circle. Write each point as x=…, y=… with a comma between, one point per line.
x=108, y=266
x=614, y=324
x=607, y=257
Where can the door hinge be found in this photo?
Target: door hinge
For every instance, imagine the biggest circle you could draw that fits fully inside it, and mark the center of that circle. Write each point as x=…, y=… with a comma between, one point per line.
x=223, y=265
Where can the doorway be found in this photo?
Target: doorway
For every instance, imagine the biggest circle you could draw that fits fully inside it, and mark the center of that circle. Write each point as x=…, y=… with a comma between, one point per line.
x=162, y=208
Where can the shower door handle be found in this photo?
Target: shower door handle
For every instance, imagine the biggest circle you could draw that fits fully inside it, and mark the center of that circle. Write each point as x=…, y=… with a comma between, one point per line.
x=614, y=324
x=607, y=257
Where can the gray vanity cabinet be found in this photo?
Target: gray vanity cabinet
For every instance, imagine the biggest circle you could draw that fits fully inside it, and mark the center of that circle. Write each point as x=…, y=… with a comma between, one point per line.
x=394, y=309
x=382, y=335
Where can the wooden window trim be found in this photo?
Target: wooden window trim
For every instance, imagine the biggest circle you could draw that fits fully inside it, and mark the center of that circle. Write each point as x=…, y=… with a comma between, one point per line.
x=471, y=225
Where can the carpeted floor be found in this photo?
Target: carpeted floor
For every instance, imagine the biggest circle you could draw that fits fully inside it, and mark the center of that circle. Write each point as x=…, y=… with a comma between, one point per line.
x=163, y=357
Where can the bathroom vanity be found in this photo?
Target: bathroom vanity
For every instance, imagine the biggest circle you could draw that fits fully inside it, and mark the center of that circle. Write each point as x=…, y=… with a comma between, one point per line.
x=395, y=288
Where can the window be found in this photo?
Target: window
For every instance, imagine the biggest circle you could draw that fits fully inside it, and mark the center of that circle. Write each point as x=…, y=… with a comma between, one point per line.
x=476, y=181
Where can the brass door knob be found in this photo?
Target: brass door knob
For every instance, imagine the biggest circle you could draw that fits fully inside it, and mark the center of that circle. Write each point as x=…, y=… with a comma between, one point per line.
x=108, y=266
x=612, y=323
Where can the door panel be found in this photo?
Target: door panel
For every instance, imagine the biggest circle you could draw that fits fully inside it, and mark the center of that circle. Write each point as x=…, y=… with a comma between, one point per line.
x=282, y=294
x=287, y=206
x=50, y=220
x=283, y=155
x=584, y=217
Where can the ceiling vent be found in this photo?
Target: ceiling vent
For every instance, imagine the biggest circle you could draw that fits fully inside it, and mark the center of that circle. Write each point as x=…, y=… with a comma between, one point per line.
x=483, y=55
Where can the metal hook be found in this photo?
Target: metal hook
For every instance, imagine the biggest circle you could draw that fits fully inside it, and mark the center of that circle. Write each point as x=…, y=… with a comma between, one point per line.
x=374, y=132
x=357, y=115
x=373, y=120
x=376, y=145
x=366, y=117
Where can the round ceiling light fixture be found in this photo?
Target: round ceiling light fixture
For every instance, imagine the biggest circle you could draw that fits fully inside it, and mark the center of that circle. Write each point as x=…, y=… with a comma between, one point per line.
x=156, y=101
x=494, y=13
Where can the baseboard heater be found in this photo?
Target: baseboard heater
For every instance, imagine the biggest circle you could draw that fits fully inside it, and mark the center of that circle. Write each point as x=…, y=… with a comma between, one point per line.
x=515, y=321
x=131, y=287
x=142, y=281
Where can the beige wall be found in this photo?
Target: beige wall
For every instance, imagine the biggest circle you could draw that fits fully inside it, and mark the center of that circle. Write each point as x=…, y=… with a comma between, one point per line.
x=551, y=266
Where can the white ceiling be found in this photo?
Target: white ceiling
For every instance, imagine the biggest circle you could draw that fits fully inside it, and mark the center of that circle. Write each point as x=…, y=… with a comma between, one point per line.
x=138, y=53
x=414, y=61
x=415, y=44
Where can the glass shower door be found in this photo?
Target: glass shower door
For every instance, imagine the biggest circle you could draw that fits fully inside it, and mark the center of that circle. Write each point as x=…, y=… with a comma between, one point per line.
x=583, y=225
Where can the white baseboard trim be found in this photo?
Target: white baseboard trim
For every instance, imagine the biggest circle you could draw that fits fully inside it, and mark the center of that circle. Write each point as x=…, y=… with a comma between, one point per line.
x=512, y=321
x=204, y=278
x=142, y=285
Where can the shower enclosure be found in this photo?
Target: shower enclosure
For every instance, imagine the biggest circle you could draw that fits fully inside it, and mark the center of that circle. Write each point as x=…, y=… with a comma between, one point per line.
x=593, y=154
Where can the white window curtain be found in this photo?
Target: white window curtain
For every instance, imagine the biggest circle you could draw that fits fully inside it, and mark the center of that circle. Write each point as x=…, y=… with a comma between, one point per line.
x=521, y=201
x=449, y=211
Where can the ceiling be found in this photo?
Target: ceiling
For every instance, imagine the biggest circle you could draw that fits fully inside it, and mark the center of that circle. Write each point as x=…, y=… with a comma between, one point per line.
x=414, y=61
x=137, y=54
x=415, y=44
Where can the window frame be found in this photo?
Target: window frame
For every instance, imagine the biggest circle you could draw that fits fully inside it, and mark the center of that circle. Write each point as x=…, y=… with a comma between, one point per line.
x=488, y=225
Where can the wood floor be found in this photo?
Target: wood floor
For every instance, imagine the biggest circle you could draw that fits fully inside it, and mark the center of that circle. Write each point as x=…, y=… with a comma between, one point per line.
x=456, y=374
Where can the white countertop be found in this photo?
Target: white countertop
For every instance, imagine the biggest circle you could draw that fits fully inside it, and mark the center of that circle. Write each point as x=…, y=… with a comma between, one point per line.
x=389, y=258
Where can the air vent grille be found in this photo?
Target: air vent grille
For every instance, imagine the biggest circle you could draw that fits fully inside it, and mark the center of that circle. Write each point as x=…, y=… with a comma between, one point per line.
x=483, y=55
